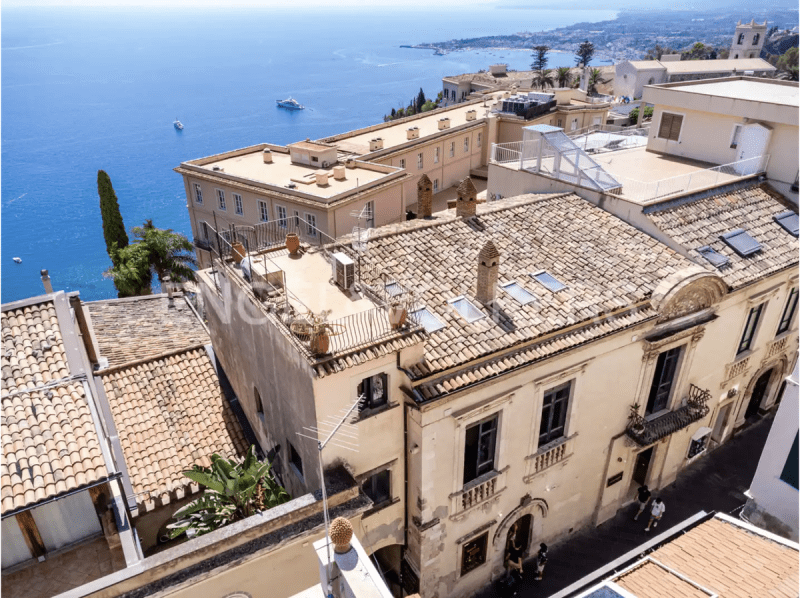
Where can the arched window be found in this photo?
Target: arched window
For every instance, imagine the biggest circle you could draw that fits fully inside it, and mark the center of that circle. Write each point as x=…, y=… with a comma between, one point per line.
x=756, y=37
x=741, y=38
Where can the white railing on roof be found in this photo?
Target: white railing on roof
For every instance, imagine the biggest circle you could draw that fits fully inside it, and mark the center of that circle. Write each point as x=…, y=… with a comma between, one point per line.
x=644, y=192
x=506, y=152
x=605, y=141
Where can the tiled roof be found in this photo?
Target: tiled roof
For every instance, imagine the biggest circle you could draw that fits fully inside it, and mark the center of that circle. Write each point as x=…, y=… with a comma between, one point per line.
x=731, y=561
x=50, y=445
x=648, y=580
x=607, y=265
x=697, y=222
x=170, y=414
x=33, y=351
x=144, y=327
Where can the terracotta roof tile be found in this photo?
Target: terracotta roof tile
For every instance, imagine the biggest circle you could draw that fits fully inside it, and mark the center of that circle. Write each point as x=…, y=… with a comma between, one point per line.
x=697, y=222
x=50, y=445
x=648, y=580
x=170, y=414
x=140, y=328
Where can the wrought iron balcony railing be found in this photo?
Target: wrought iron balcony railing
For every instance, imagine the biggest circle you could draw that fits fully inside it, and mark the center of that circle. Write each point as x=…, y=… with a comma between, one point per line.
x=647, y=431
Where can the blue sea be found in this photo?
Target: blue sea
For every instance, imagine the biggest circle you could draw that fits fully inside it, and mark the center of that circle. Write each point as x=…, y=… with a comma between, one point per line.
x=98, y=88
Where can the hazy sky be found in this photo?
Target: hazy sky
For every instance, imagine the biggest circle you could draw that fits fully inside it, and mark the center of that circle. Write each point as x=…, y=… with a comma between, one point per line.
x=249, y=3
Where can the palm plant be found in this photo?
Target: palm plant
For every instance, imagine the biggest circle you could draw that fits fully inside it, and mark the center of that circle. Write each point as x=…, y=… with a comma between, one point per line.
x=544, y=79
x=171, y=254
x=130, y=270
x=563, y=76
x=233, y=491
x=595, y=79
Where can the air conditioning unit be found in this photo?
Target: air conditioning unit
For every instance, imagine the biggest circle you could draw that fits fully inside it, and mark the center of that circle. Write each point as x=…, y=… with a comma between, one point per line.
x=344, y=271
x=325, y=164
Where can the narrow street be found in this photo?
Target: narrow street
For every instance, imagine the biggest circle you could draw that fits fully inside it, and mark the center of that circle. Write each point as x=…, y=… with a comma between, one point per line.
x=715, y=483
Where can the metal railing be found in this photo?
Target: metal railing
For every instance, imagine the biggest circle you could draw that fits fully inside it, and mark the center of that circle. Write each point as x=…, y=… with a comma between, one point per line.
x=597, y=141
x=507, y=152
x=646, y=431
x=645, y=192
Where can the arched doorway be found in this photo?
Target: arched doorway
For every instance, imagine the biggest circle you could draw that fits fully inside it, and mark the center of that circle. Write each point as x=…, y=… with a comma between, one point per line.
x=387, y=562
x=759, y=392
x=519, y=535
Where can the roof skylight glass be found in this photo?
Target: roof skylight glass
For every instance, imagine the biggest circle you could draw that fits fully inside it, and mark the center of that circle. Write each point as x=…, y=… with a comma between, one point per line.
x=548, y=281
x=716, y=259
x=427, y=320
x=517, y=292
x=741, y=242
x=466, y=308
x=393, y=289
x=788, y=220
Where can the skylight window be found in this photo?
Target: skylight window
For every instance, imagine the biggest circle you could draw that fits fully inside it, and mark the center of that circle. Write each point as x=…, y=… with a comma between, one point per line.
x=788, y=220
x=393, y=289
x=741, y=242
x=548, y=281
x=467, y=309
x=427, y=320
x=517, y=292
x=716, y=259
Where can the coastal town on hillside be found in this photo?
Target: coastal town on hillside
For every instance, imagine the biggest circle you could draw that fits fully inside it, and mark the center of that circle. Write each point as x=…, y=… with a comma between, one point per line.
x=538, y=337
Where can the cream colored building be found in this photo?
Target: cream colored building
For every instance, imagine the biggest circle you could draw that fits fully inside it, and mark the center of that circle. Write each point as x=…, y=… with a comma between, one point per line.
x=748, y=40
x=554, y=359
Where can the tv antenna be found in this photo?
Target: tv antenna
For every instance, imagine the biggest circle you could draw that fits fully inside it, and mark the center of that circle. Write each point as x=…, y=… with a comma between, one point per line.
x=340, y=431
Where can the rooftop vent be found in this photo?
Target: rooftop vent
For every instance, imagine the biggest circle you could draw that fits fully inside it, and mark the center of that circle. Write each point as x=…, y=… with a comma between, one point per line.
x=427, y=320
x=472, y=115
x=375, y=144
x=788, y=220
x=322, y=177
x=468, y=310
x=339, y=173
x=549, y=282
x=741, y=242
x=518, y=292
x=217, y=168
x=444, y=123
x=716, y=259
x=267, y=153
x=291, y=186
x=412, y=133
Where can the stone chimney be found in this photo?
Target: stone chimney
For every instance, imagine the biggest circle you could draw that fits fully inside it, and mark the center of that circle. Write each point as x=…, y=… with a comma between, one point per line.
x=424, y=197
x=467, y=199
x=488, y=263
x=48, y=287
x=267, y=155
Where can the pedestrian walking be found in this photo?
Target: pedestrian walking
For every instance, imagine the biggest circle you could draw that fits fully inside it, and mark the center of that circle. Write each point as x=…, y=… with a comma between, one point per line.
x=656, y=511
x=642, y=497
x=541, y=561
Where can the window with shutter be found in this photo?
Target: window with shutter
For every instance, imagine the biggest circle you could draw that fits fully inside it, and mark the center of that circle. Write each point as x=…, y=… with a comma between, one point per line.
x=670, y=127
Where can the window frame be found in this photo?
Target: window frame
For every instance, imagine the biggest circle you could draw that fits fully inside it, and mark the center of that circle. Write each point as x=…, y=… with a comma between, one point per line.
x=478, y=140
x=436, y=155
x=402, y=163
x=311, y=224
x=198, y=193
x=481, y=543
x=369, y=210
x=650, y=406
x=486, y=466
x=263, y=210
x=435, y=185
x=238, y=204
x=221, y=203
x=466, y=144
x=292, y=453
x=452, y=149
x=552, y=435
x=735, y=135
x=283, y=221
x=750, y=330
x=662, y=123
x=365, y=387
x=789, y=309
x=372, y=480
x=420, y=160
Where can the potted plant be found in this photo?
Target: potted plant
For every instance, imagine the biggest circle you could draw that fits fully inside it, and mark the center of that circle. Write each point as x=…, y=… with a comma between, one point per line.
x=238, y=251
x=635, y=421
x=292, y=243
x=320, y=332
x=397, y=315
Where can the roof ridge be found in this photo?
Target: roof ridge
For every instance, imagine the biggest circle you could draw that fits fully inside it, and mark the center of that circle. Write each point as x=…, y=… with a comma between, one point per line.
x=115, y=369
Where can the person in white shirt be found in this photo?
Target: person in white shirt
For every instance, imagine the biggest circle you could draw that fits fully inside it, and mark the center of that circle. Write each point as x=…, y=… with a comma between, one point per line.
x=656, y=511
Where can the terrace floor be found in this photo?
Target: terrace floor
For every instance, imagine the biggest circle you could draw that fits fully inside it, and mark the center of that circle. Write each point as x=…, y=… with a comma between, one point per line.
x=62, y=571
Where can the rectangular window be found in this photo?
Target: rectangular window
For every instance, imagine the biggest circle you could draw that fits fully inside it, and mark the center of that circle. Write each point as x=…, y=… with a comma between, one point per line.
x=295, y=460
x=548, y=281
x=375, y=391
x=554, y=413
x=574, y=126
x=478, y=143
x=311, y=225
x=204, y=230
x=369, y=213
x=479, y=448
x=425, y=318
x=402, y=162
x=559, y=123
x=473, y=554
x=263, y=211
x=280, y=213
x=737, y=131
x=663, y=379
x=790, y=472
x=435, y=185
x=378, y=487
x=221, y=197
x=466, y=144
x=750, y=328
x=452, y=148
x=296, y=217
x=198, y=194
x=436, y=155
x=670, y=127
x=237, y=203
x=419, y=161
x=468, y=310
x=788, y=311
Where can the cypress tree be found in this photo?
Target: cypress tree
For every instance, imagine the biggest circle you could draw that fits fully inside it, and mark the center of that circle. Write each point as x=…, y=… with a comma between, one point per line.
x=113, y=227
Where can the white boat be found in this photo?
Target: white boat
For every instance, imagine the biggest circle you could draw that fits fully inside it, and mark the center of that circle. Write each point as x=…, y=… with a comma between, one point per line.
x=178, y=125
x=290, y=104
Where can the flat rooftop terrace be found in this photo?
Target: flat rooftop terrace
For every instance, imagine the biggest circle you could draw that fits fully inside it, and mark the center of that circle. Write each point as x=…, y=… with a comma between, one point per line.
x=751, y=90
x=395, y=135
x=282, y=171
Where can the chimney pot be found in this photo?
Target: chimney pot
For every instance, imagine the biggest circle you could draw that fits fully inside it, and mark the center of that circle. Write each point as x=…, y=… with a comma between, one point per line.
x=424, y=197
x=467, y=199
x=48, y=286
x=339, y=173
x=267, y=153
x=488, y=264
x=444, y=123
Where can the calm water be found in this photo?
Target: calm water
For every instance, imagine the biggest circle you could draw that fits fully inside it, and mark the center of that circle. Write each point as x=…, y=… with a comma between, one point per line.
x=88, y=89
